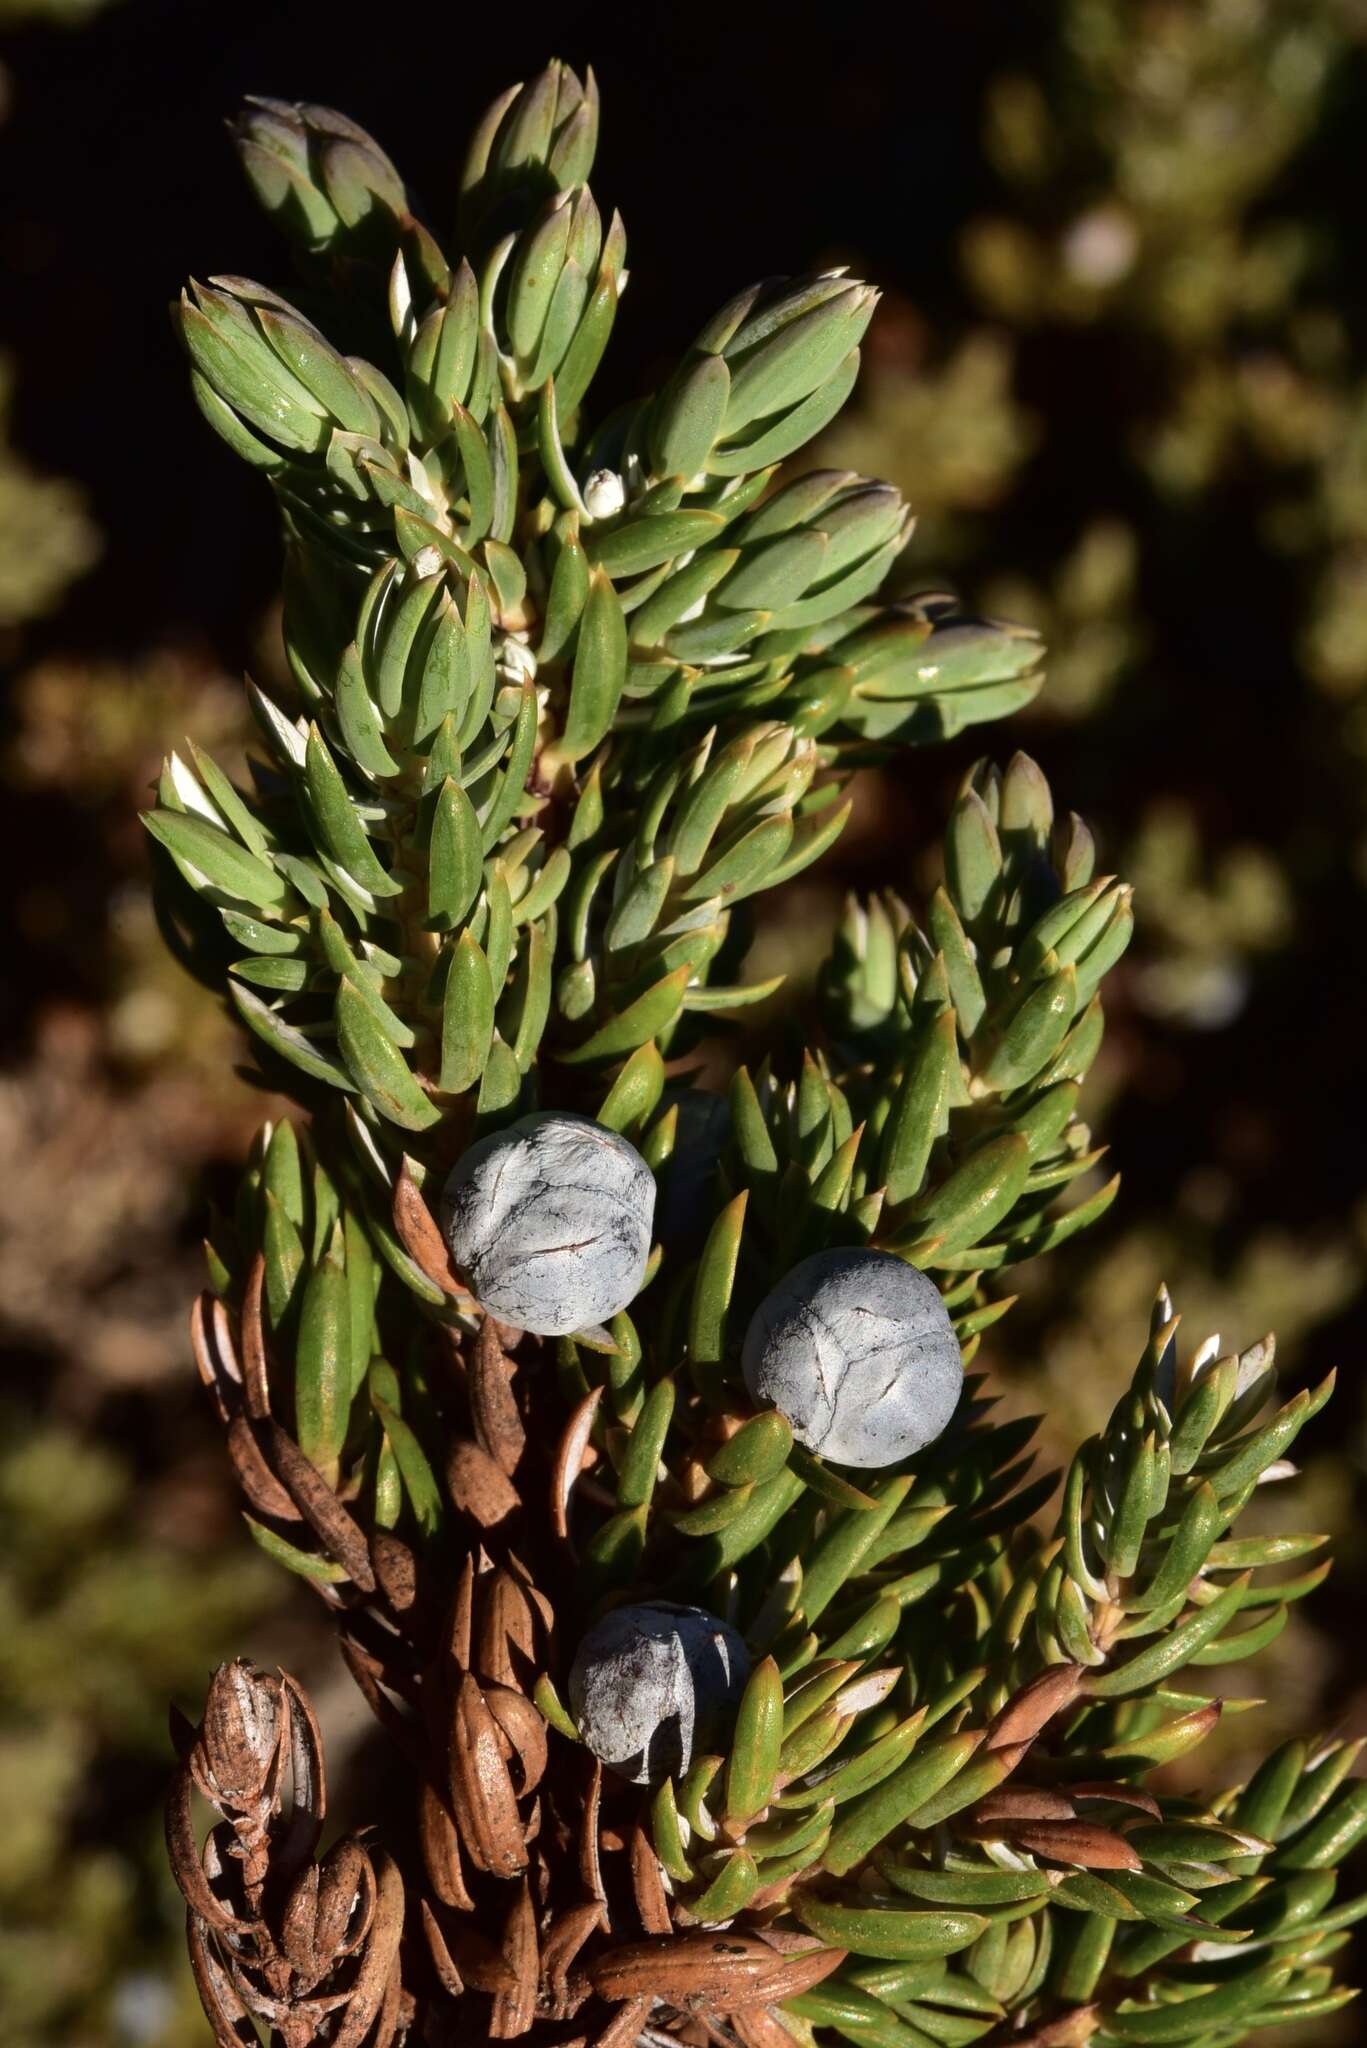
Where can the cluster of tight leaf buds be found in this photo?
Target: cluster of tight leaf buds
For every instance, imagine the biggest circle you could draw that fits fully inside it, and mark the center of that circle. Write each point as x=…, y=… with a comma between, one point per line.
x=746, y=1690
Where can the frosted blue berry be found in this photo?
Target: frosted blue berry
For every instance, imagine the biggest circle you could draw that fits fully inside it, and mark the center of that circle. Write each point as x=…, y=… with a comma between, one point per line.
x=856, y=1350
x=549, y=1222
x=650, y=1681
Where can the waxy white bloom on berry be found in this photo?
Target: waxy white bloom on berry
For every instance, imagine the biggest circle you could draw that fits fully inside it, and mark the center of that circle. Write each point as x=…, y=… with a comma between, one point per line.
x=856, y=1350
x=549, y=1221
x=649, y=1681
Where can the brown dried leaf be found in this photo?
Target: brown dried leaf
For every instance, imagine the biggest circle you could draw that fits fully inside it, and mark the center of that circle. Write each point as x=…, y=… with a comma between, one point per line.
x=300, y=1838
x=707, y=1967
x=787, y=1941
x=624, y=2028
x=394, y=1657
x=1023, y=1716
x=416, y=1229
x=443, y=1963
x=1024, y=1802
x=569, y=1458
x=346, y=1879
x=340, y=1536
x=441, y=1851
x=279, y=2011
x=506, y=1626
x=186, y=1865
x=796, y=1973
x=1079, y=1842
x=481, y=1964
x=381, y=1950
x=514, y=2011
x=245, y=1722
x=396, y=2009
x=541, y=1605
x=768, y=1895
x=182, y=1731
x=254, y=1475
x=568, y=1933
x=647, y=1884
x=224, y=2010
x=460, y=1630
x=306, y=1751
x=259, y=2002
x=482, y=1796
x=761, y=2027
x=220, y=1379
x=523, y=1729
x=255, y=1379
x=298, y=1926
x=235, y=1858
x=397, y=1725
x=493, y=1409
x=477, y=1486
x=590, y=1860
x=395, y=1568
x=1120, y=1795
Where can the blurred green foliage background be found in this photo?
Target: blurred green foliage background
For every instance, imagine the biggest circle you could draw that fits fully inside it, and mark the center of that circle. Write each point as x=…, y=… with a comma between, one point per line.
x=1121, y=371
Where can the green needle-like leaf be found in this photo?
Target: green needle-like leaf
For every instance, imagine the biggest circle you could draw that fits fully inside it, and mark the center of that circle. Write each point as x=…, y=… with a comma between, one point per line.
x=284, y=1039
x=978, y=1194
x=600, y=667
x=223, y=863
x=322, y=1374
x=456, y=858
x=873, y=1817
x=1172, y=1651
x=307, y=1564
x=920, y=1108
x=284, y=1254
x=642, y=544
x=871, y=1927
x=1206, y=2014
x=334, y=812
x=377, y=1066
x=755, y=1744
x=713, y=1285
x=467, y=1016
x=759, y=1449
x=636, y=1091
x=637, y=1472
x=730, y=1890
x=419, y=1483
x=645, y=1018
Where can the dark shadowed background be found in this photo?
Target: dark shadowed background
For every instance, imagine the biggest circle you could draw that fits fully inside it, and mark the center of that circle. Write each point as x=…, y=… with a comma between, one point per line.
x=1120, y=369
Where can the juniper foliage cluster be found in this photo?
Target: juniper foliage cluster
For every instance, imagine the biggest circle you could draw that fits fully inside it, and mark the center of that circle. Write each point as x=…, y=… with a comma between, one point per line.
x=571, y=689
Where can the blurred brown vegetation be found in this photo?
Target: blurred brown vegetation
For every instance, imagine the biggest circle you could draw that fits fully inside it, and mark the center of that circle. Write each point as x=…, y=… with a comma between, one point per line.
x=1119, y=369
